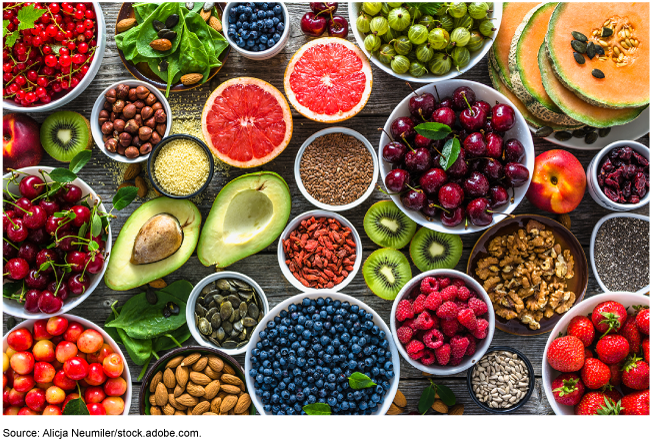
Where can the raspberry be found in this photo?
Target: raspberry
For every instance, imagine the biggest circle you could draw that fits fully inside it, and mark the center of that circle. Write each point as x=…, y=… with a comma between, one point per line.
x=409, y=323
x=458, y=283
x=467, y=318
x=479, y=307
x=417, y=355
x=432, y=339
x=433, y=301
x=424, y=321
x=455, y=361
x=459, y=346
x=464, y=293
x=471, y=348
x=443, y=354
x=418, y=304
x=428, y=358
x=444, y=282
x=461, y=305
x=414, y=346
x=449, y=327
x=449, y=293
x=448, y=310
x=404, y=334
x=404, y=310
x=481, y=330
x=429, y=285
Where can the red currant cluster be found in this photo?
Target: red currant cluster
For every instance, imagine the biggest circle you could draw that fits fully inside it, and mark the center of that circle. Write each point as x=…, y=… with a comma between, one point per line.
x=51, y=58
x=49, y=247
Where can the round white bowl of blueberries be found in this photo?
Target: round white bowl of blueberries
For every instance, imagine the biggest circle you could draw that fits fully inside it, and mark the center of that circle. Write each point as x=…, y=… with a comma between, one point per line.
x=257, y=31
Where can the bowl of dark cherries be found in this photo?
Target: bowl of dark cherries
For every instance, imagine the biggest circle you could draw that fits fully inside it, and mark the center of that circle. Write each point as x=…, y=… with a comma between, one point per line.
x=456, y=156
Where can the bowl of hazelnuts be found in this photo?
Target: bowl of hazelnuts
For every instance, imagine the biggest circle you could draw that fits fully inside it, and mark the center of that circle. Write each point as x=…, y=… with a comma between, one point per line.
x=128, y=119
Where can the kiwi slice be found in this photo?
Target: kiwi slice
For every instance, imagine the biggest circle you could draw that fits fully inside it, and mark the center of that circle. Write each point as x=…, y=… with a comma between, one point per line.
x=388, y=226
x=64, y=134
x=435, y=250
x=386, y=271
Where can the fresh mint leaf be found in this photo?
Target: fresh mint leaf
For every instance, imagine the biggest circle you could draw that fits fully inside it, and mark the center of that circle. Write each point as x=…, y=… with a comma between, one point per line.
x=450, y=153
x=62, y=175
x=28, y=16
x=446, y=395
x=359, y=381
x=124, y=197
x=433, y=130
x=81, y=159
x=427, y=398
x=317, y=409
x=76, y=407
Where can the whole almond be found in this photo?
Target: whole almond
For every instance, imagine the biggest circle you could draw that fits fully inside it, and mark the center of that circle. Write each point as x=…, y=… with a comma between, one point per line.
x=243, y=403
x=231, y=412
x=222, y=394
x=161, y=44
x=124, y=185
x=199, y=378
x=195, y=390
x=175, y=404
x=201, y=408
x=180, y=413
x=169, y=379
x=168, y=410
x=178, y=390
x=440, y=406
x=215, y=24
x=394, y=410
x=227, y=404
x=399, y=399
x=190, y=359
x=188, y=411
x=228, y=369
x=209, y=413
x=187, y=400
x=142, y=187
x=158, y=284
x=457, y=410
x=125, y=25
x=230, y=389
x=231, y=380
x=205, y=15
x=565, y=220
x=211, y=373
x=132, y=171
x=215, y=363
x=155, y=380
x=191, y=78
x=212, y=389
x=155, y=411
x=161, y=395
x=182, y=375
x=152, y=399
x=215, y=405
x=200, y=364
x=175, y=362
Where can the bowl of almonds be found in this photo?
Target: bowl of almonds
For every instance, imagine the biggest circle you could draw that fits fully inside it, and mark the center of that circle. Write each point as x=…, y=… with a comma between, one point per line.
x=195, y=381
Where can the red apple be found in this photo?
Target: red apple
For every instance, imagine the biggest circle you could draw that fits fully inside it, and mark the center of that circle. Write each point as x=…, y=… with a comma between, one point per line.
x=558, y=183
x=21, y=142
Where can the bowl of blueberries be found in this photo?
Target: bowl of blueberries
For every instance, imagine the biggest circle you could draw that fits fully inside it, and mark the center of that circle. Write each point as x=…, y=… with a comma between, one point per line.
x=258, y=31
x=307, y=348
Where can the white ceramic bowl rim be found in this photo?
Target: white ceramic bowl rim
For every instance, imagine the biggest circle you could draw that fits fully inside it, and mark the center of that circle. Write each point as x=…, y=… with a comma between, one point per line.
x=11, y=307
x=394, y=382
x=191, y=301
x=126, y=374
x=283, y=36
x=293, y=224
x=349, y=132
x=592, y=244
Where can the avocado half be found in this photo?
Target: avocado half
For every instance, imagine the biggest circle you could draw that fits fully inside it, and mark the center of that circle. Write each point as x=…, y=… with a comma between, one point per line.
x=122, y=274
x=248, y=214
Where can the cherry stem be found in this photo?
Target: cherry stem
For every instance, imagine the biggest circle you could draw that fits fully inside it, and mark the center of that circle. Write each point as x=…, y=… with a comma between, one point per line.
x=499, y=212
x=12, y=222
x=466, y=223
x=437, y=94
x=416, y=189
x=407, y=144
x=441, y=208
x=382, y=191
x=19, y=207
x=467, y=102
x=389, y=136
x=512, y=199
x=411, y=87
x=10, y=243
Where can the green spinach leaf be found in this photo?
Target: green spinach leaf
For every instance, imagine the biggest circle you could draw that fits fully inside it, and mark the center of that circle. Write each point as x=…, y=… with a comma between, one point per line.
x=147, y=32
x=139, y=350
x=143, y=10
x=164, y=342
x=195, y=24
x=193, y=57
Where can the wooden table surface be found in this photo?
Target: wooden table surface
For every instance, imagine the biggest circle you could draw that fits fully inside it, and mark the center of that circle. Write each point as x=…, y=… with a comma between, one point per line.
x=263, y=267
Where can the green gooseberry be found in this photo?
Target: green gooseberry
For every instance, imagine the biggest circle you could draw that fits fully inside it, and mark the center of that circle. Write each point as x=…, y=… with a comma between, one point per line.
x=400, y=64
x=441, y=11
x=427, y=21
x=438, y=38
x=415, y=12
x=440, y=63
x=394, y=4
x=385, y=9
x=457, y=9
x=390, y=35
x=372, y=42
x=411, y=56
x=386, y=53
x=363, y=23
x=486, y=28
x=379, y=25
x=424, y=52
x=418, y=34
x=475, y=41
x=417, y=69
x=465, y=21
x=460, y=36
x=447, y=23
x=399, y=19
x=371, y=8
x=478, y=10
x=460, y=56
x=402, y=45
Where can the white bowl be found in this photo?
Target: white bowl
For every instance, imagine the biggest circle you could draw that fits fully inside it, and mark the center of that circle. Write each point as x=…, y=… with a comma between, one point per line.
x=592, y=243
x=481, y=346
x=11, y=307
x=293, y=224
x=284, y=305
x=191, y=302
x=582, y=309
x=353, y=11
x=10, y=106
x=265, y=54
x=592, y=177
x=126, y=374
x=309, y=141
x=95, y=128
x=519, y=131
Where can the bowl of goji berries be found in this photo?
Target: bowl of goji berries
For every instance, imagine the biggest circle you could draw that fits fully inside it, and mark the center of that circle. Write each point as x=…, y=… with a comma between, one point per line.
x=442, y=322
x=319, y=250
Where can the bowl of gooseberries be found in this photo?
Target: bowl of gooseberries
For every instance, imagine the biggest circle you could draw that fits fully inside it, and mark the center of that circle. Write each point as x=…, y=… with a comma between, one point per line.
x=57, y=242
x=425, y=42
x=456, y=157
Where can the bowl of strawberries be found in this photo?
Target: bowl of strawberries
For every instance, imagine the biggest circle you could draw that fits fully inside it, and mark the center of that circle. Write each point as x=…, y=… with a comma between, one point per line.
x=442, y=322
x=596, y=357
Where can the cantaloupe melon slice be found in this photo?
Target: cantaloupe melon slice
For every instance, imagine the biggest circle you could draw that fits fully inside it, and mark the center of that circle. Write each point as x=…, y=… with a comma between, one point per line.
x=513, y=13
x=626, y=84
x=578, y=109
x=524, y=70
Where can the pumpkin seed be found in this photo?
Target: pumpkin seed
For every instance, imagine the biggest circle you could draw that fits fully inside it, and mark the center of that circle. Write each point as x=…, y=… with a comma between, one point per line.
x=223, y=284
x=579, y=133
x=563, y=135
x=215, y=342
x=544, y=131
x=599, y=50
x=207, y=6
x=158, y=25
x=249, y=322
x=604, y=132
x=200, y=310
x=227, y=327
x=579, y=46
x=234, y=300
x=238, y=326
x=163, y=66
x=228, y=344
x=221, y=333
x=579, y=36
x=243, y=310
x=189, y=5
x=216, y=320
x=597, y=73
x=204, y=326
x=607, y=32
x=253, y=311
x=241, y=344
x=588, y=129
x=169, y=35
x=151, y=297
x=591, y=138
x=162, y=32
x=579, y=58
x=591, y=50
x=171, y=21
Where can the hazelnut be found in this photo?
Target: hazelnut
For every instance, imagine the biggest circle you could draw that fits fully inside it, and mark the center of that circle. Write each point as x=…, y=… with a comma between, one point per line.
x=136, y=142
x=146, y=112
x=122, y=91
x=129, y=111
x=111, y=96
x=160, y=116
x=125, y=139
x=121, y=150
x=103, y=116
x=151, y=123
x=132, y=152
x=150, y=99
x=142, y=92
x=113, y=117
x=138, y=119
x=108, y=106
x=111, y=145
x=145, y=148
x=156, y=105
x=105, y=138
x=145, y=133
x=118, y=106
x=131, y=126
x=155, y=138
x=132, y=95
x=160, y=129
x=107, y=127
x=118, y=125
x=139, y=104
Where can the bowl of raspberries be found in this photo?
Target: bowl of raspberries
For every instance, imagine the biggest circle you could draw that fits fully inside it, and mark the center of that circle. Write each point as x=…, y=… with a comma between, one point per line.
x=596, y=358
x=442, y=322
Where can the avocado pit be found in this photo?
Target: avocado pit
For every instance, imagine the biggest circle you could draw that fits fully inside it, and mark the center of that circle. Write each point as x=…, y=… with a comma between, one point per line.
x=158, y=238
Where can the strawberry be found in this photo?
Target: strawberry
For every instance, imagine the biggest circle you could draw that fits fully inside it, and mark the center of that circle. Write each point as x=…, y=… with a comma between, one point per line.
x=424, y=321
x=644, y=347
x=636, y=404
x=464, y=294
x=612, y=393
x=568, y=389
x=595, y=374
x=481, y=330
x=449, y=327
x=414, y=346
x=433, y=301
x=612, y=349
x=588, y=353
x=582, y=328
x=636, y=373
x=428, y=358
x=404, y=310
x=443, y=354
x=630, y=331
x=479, y=306
x=449, y=293
x=616, y=371
x=404, y=334
x=608, y=316
x=459, y=346
x=596, y=403
x=643, y=321
x=429, y=285
x=433, y=338
x=448, y=310
x=418, y=304
x=566, y=354
x=467, y=318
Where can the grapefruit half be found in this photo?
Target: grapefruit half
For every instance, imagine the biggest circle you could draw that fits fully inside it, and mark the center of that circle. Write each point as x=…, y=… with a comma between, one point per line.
x=328, y=80
x=246, y=122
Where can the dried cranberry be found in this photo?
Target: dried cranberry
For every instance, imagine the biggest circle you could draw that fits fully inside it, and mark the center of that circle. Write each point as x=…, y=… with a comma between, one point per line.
x=642, y=161
x=640, y=184
x=612, y=181
x=634, y=199
x=626, y=153
x=628, y=171
x=607, y=165
x=601, y=179
x=611, y=194
x=627, y=189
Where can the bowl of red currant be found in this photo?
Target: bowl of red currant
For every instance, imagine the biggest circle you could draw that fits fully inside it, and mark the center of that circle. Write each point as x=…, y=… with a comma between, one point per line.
x=51, y=53
x=57, y=239
x=456, y=156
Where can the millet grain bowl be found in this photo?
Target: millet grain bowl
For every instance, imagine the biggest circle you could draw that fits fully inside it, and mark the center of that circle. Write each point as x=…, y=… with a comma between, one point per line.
x=182, y=167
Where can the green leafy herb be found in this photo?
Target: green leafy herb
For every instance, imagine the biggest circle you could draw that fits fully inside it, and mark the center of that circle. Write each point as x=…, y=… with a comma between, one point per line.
x=359, y=381
x=76, y=407
x=62, y=175
x=5, y=23
x=81, y=159
x=446, y=395
x=27, y=17
x=96, y=228
x=317, y=409
x=147, y=32
x=450, y=153
x=427, y=8
x=433, y=130
x=124, y=197
x=9, y=290
x=429, y=396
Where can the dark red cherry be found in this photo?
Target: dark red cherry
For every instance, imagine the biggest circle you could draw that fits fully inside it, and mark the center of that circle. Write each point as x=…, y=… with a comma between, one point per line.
x=31, y=301
x=473, y=118
x=422, y=142
x=418, y=161
x=31, y=187
x=503, y=117
x=432, y=180
x=476, y=185
x=514, y=151
x=429, y=209
x=493, y=170
x=16, y=269
x=94, y=263
x=422, y=106
x=78, y=284
x=8, y=251
x=485, y=106
x=516, y=174
x=462, y=97
x=50, y=206
x=413, y=200
x=337, y=26
x=498, y=196
x=451, y=196
x=444, y=115
x=76, y=260
x=397, y=179
x=23, y=204
x=453, y=217
x=17, y=232
x=46, y=255
x=478, y=212
x=475, y=145
x=459, y=168
x=394, y=152
x=36, y=280
x=35, y=217
x=494, y=147
x=72, y=194
x=403, y=128
x=48, y=303
x=28, y=252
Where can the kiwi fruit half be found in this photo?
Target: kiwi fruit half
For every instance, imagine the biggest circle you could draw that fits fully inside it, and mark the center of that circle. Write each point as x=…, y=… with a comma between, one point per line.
x=64, y=134
x=435, y=250
x=388, y=226
x=386, y=271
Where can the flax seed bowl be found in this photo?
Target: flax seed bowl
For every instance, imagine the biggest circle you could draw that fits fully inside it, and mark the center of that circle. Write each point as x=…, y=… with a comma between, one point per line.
x=328, y=243
x=336, y=169
x=180, y=166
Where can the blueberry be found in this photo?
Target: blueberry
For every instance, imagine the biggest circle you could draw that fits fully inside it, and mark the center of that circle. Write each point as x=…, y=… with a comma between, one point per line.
x=331, y=401
x=263, y=40
x=276, y=21
x=354, y=308
x=363, y=406
x=356, y=348
x=320, y=301
x=248, y=11
x=268, y=23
